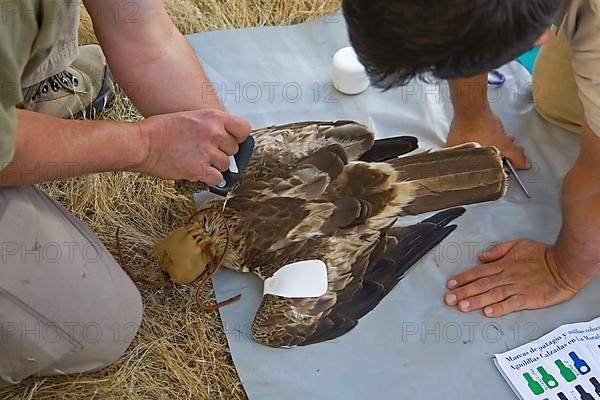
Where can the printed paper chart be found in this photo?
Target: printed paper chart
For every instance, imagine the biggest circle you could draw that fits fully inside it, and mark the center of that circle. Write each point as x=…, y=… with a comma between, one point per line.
x=563, y=365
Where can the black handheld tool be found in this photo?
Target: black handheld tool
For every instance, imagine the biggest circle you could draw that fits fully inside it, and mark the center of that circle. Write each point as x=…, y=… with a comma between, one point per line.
x=237, y=165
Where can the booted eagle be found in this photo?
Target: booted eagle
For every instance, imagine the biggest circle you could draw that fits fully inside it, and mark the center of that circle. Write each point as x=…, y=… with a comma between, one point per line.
x=328, y=191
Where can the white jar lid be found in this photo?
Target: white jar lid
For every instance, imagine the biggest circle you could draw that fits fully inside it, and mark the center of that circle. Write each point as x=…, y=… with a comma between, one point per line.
x=349, y=75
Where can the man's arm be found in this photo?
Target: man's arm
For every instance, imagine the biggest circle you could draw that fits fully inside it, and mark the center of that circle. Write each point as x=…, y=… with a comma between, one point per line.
x=470, y=97
x=149, y=57
x=474, y=120
x=577, y=251
x=524, y=274
x=191, y=145
x=49, y=148
x=162, y=75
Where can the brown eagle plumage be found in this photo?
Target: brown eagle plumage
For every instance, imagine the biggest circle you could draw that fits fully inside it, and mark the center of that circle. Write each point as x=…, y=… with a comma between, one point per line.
x=329, y=191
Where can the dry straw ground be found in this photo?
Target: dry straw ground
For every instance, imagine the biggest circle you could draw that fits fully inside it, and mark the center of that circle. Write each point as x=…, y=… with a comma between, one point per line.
x=180, y=352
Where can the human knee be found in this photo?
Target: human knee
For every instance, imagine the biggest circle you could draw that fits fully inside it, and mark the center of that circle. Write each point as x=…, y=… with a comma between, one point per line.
x=108, y=329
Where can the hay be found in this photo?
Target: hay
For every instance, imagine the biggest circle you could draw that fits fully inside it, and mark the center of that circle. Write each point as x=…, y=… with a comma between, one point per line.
x=192, y=16
x=180, y=352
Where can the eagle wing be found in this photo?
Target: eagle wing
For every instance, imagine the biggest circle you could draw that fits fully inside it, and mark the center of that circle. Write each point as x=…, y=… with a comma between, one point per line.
x=291, y=197
x=356, y=286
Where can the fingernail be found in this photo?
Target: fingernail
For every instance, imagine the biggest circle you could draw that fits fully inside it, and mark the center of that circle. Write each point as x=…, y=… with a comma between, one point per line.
x=464, y=305
x=452, y=284
x=489, y=311
x=451, y=299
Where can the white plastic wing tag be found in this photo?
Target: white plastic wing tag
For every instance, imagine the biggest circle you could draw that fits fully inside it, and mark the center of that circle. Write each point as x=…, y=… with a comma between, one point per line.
x=304, y=279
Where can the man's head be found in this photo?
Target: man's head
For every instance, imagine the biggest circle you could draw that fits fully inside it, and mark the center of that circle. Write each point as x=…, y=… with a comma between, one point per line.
x=401, y=39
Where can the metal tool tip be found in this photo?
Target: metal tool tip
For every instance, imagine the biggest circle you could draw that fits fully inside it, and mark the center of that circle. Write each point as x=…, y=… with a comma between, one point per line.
x=514, y=173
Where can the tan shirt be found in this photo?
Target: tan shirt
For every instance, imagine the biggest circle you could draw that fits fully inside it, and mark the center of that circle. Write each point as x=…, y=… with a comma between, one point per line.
x=29, y=32
x=581, y=26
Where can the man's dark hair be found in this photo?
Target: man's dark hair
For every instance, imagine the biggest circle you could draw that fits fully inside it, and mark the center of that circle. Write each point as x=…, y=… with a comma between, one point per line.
x=399, y=40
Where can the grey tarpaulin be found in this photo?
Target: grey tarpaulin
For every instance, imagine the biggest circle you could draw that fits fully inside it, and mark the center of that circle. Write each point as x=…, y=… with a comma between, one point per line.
x=411, y=345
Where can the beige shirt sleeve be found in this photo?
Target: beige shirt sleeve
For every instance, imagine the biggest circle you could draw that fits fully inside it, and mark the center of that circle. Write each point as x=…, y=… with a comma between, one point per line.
x=10, y=76
x=582, y=27
x=18, y=31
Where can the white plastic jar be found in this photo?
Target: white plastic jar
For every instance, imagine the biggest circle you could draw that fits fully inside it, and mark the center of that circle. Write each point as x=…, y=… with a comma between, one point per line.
x=349, y=75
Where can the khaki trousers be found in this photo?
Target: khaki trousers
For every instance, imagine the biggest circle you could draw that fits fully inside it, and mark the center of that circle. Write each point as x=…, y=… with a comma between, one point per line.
x=59, y=20
x=66, y=306
x=554, y=88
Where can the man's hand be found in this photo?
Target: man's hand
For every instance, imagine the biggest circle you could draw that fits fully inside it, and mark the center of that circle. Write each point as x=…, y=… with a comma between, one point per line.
x=515, y=276
x=474, y=120
x=487, y=130
x=525, y=275
x=192, y=145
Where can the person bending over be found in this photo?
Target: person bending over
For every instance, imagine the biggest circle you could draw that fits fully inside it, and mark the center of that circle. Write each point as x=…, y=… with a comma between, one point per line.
x=460, y=41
